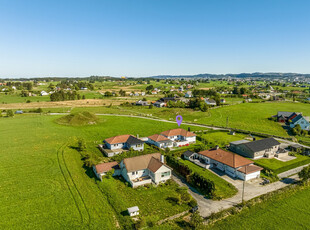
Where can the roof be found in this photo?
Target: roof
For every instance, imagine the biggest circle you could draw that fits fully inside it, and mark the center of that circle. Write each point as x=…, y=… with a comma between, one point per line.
x=262, y=144
x=139, y=162
x=179, y=131
x=154, y=164
x=297, y=118
x=122, y=139
x=250, y=169
x=105, y=167
x=227, y=158
x=239, y=142
x=159, y=138
x=210, y=100
x=188, y=153
x=133, y=209
x=284, y=114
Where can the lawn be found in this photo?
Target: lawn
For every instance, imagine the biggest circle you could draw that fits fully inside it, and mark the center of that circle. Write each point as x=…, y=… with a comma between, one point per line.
x=223, y=188
x=221, y=138
x=290, y=210
x=43, y=183
x=278, y=166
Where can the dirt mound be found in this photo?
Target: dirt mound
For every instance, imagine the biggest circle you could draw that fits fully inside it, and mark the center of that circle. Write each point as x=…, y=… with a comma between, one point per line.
x=78, y=119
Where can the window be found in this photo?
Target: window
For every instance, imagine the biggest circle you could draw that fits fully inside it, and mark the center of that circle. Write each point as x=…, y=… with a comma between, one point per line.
x=133, y=173
x=164, y=174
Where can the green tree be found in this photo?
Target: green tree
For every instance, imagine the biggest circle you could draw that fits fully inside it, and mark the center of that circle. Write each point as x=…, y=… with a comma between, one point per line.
x=81, y=145
x=9, y=113
x=304, y=174
x=196, y=220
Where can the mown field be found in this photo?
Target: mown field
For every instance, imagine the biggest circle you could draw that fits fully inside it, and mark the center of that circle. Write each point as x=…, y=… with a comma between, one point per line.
x=290, y=210
x=43, y=182
x=247, y=116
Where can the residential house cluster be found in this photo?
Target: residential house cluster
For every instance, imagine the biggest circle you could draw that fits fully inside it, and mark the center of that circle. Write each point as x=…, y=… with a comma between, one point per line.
x=167, y=139
x=137, y=171
x=293, y=119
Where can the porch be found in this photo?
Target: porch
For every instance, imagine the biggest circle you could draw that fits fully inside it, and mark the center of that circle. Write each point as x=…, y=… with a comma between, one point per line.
x=141, y=181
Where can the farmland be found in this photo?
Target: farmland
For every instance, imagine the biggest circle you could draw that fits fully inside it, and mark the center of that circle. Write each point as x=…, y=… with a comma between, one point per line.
x=44, y=183
x=289, y=210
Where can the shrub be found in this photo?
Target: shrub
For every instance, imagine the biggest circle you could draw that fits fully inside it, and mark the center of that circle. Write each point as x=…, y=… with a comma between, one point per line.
x=192, y=203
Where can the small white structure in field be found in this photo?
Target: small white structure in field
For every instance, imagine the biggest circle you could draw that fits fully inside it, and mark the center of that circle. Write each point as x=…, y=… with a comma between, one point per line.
x=133, y=211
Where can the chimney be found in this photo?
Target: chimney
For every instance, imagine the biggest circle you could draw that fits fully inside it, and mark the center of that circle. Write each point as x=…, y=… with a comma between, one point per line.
x=162, y=159
x=189, y=129
x=217, y=147
x=137, y=135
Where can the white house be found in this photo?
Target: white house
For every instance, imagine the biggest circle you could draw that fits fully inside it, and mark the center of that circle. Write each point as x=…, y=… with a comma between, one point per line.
x=159, y=104
x=133, y=211
x=300, y=120
x=180, y=137
x=188, y=94
x=232, y=164
x=116, y=145
x=101, y=169
x=160, y=141
x=210, y=101
x=43, y=93
x=145, y=169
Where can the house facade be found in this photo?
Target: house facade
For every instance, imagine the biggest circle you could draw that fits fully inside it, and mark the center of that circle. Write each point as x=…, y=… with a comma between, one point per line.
x=268, y=147
x=145, y=169
x=300, y=120
x=180, y=137
x=160, y=141
x=232, y=164
x=116, y=145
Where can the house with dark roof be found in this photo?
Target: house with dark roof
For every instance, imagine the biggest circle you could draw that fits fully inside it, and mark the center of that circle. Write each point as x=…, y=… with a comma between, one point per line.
x=116, y=145
x=232, y=164
x=267, y=147
x=300, y=120
x=160, y=141
x=286, y=116
x=145, y=169
x=101, y=170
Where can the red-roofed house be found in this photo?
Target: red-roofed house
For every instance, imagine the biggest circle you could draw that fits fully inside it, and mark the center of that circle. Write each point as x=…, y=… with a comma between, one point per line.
x=232, y=164
x=102, y=169
x=180, y=137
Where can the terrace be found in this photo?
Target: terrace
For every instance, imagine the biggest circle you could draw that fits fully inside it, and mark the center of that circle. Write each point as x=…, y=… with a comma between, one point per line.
x=141, y=181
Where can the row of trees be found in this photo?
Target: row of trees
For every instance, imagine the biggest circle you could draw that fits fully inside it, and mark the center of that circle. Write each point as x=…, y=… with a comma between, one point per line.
x=205, y=185
x=20, y=85
x=64, y=96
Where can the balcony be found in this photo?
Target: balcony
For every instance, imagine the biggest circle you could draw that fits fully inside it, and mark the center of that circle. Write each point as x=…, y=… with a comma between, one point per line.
x=141, y=181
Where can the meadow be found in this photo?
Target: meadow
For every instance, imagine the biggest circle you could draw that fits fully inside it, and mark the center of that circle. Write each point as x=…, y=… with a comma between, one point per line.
x=289, y=210
x=247, y=116
x=45, y=186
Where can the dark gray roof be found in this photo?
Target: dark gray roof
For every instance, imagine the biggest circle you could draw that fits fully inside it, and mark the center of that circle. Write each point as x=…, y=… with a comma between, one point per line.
x=132, y=141
x=188, y=153
x=262, y=144
x=297, y=118
x=284, y=114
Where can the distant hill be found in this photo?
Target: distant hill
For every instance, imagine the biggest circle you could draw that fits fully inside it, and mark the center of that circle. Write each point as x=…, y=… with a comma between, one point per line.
x=241, y=75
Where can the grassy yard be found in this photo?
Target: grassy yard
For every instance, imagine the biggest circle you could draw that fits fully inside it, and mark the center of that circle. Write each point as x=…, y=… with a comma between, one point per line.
x=290, y=210
x=223, y=189
x=43, y=183
x=221, y=138
x=278, y=166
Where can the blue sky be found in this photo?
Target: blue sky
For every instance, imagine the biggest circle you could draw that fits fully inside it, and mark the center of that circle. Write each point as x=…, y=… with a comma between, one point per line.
x=152, y=37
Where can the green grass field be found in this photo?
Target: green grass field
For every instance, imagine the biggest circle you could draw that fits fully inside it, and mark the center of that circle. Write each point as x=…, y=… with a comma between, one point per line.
x=247, y=116
x=223, y=189
x=43, y=184
x=285, y=211
x=221, y=138
x=279, y=166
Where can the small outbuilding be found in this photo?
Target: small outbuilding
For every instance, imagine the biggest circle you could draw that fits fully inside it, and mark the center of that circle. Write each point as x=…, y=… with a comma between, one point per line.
x=133, y=211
